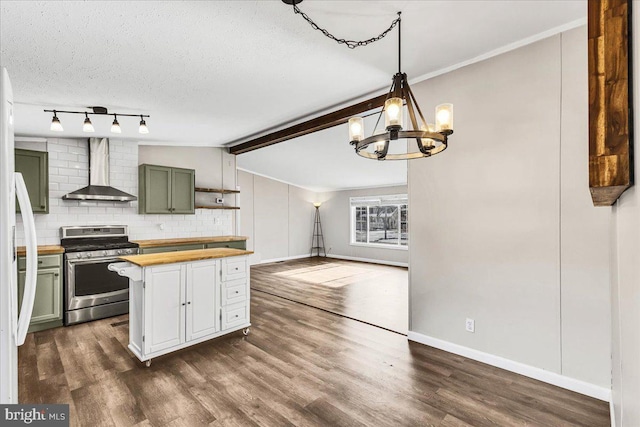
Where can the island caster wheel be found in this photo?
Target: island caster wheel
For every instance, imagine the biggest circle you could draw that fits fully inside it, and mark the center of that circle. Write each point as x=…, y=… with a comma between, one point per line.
x=246, y=331
x=147, y=363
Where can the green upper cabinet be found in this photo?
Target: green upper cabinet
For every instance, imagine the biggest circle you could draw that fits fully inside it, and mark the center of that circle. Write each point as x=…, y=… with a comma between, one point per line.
x=34, y=167
x=166, y=190
x=183, y=191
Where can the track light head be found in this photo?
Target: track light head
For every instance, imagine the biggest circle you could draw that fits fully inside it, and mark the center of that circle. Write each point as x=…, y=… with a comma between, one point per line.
x=115, y=126
x=143, y=126
x=87, y=126
x=56, y=126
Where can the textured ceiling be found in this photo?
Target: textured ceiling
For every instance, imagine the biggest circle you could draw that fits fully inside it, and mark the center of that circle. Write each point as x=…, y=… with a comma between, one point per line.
x=211, y=72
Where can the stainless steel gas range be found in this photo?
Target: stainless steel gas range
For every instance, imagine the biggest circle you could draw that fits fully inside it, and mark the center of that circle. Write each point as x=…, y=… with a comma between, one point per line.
x=91, y=291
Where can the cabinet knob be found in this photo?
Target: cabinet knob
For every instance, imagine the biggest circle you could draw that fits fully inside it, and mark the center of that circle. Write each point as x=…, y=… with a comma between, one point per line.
x=236, y=315
x=237, y=292
x=184, y=304
x=40, y=261
x=56, y=274
x=189, y=302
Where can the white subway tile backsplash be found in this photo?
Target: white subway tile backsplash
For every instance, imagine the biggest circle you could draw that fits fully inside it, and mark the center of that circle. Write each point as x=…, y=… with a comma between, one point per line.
x=57, y=148
x=58, y=163
x=78, y=180
x=68, y=156
x=68, y=171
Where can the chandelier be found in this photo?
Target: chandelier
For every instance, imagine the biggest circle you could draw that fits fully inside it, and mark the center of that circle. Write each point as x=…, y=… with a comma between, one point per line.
x=430, y=139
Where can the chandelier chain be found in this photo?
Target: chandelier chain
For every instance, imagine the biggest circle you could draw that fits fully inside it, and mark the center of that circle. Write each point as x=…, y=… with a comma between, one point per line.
x=351, y=44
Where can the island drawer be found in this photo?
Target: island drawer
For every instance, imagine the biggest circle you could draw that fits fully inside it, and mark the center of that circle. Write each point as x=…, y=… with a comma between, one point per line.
x=234, y=291
x=235, y=315
x=233, y=269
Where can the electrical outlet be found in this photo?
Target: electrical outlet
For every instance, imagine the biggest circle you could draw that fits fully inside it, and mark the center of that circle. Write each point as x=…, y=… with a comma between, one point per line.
x=470, y=325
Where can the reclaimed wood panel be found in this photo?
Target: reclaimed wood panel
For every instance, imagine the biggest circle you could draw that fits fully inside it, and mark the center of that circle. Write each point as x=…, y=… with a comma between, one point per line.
x=610, y=144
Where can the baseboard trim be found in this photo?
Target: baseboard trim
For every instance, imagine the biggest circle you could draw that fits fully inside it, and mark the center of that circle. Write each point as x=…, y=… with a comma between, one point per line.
x=548, y=377
x=369, y=260
x=612, y=412
x=287, y=258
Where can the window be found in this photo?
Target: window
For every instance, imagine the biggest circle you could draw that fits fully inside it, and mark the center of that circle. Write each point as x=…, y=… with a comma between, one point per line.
x=380, y=221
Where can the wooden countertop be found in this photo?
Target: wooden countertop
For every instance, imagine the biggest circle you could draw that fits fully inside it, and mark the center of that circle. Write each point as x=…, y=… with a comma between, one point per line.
x=42, y=250
x=147, y=260
x=187, y=240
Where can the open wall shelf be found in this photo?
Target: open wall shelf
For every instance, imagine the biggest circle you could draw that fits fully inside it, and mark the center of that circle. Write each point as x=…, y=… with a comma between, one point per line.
x=218, y=191
x=215, y=190
x=217, y=207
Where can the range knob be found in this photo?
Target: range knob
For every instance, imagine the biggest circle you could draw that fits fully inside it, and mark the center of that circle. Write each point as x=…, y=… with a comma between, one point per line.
x=105, y=253
x=88, y=255
x=119, y=252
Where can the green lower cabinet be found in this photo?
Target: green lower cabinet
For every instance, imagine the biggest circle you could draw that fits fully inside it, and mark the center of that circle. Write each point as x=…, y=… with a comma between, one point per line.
x=235, y=244
x=174, y=248
x=47, y=306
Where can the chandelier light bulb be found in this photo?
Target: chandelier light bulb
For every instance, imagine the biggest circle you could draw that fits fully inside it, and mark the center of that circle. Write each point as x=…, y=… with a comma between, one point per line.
x=143, y=126
x=87, y=126
x=356, y=129
x=444, y=117
x=56, y=126
x=379, y=145
x=393, y=113
x=429, y=127
x=115, y=126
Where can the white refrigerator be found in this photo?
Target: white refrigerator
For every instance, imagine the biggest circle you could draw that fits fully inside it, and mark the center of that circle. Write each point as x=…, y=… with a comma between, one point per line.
x=13, y=330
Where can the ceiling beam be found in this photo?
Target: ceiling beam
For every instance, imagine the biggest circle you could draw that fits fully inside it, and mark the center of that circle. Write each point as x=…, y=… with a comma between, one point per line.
x=319, y=123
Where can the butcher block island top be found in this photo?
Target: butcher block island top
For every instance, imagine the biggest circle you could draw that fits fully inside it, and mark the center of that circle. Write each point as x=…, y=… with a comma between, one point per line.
x=187, y=240
x=147, y=260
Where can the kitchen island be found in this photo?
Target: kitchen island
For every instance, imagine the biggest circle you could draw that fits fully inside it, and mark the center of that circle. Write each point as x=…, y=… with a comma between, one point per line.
x=179, y=299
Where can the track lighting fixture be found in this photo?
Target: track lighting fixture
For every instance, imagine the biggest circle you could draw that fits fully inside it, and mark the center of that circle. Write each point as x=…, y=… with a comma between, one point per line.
x=87, y=126
x=115, y=126
x=55, y=123
x=143, y=126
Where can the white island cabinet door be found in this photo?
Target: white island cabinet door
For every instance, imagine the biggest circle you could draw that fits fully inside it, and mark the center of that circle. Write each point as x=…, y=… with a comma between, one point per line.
x=203, y=303
x=164, y=306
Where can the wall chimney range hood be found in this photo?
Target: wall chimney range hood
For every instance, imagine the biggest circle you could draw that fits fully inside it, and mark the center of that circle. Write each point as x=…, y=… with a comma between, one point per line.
x=99, y=188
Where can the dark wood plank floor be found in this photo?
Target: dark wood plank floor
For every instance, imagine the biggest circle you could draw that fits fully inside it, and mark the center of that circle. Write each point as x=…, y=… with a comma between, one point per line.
x=372, y=293
x=299, y=366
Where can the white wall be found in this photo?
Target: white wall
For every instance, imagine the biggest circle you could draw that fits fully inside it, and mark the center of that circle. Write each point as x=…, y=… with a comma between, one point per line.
x=68, y=171
x=625, y=283
x=336, y=223
x=502, y=226
x=277, y=217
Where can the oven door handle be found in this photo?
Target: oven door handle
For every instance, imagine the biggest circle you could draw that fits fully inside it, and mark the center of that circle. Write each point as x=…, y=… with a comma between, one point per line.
x=92, y=260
